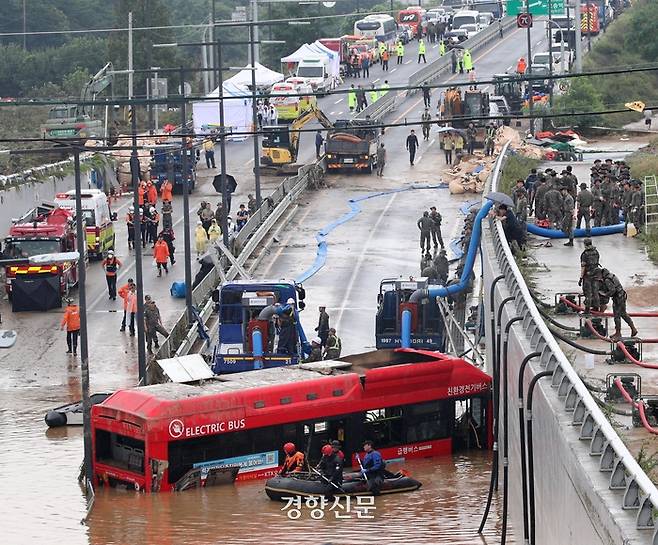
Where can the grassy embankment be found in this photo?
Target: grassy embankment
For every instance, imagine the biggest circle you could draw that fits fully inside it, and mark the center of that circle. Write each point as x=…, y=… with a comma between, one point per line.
x=516, y=167
x=630, y=41
x=643, y=163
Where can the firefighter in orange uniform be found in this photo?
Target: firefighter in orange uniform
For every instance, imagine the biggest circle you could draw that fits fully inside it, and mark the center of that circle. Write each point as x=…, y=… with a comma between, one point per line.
x=151, y=193
x=111, y=265
x=141, y=193
x=294, y=462
x=71, y=320
x=161, y=255
x=166, y=191
x=123, y=293
x=521, y=66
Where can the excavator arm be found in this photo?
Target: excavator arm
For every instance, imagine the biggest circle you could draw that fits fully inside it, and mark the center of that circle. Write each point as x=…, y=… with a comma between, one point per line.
x=96, y=85
x=313, y=113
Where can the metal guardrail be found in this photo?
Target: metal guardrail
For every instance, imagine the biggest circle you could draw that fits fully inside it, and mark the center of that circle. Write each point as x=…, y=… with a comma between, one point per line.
x=442, y=65
x=380, y=107
x=183, y=334
x=625, y=473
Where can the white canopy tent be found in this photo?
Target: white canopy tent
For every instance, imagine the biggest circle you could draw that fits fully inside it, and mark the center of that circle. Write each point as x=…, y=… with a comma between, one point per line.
x=237, y=111
x=264, y=77
x=316, y=50
x=334, y=57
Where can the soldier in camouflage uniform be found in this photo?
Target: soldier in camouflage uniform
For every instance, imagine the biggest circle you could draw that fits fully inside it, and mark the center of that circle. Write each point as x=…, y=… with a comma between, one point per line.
x=637, y=205
x=442, y=267
x=597, y=207
x=610, y=287
x=553, y=200
x=626, y=197
x=585, y=201
x=589, y=262
x=567, y=215
x=541, y=187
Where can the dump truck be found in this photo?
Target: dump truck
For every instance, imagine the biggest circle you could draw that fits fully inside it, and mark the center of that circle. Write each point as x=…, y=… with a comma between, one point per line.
x=353, y=144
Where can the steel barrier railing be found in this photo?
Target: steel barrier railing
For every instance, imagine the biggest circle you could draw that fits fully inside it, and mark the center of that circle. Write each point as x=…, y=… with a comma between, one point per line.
x=625, y=473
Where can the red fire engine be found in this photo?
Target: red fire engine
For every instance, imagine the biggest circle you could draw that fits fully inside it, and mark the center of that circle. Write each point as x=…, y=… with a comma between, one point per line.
x=43, y=230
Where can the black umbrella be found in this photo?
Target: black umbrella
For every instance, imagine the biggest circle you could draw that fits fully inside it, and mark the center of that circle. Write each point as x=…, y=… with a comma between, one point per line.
x=500, y=198
x=231, y=184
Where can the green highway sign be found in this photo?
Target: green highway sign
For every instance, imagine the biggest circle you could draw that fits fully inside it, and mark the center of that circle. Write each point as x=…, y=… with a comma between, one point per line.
x=537, y=7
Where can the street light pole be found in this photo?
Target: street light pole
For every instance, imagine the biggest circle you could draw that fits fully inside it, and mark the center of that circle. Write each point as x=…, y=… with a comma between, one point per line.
x=530, y=92
x=82, y=303
x=139, y=276
x=550, y=50
x=222, y=146
x=577, y=18
x=254, y=115
x=186, y=202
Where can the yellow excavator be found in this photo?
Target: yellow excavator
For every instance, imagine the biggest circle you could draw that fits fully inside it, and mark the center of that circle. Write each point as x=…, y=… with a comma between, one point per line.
x=281, y=142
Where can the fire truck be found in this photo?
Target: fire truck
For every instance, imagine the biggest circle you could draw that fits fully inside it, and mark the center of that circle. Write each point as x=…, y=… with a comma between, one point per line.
x=46, y=229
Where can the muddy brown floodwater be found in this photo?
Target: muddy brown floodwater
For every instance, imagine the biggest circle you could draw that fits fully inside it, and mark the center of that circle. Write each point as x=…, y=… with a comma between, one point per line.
x=43, y=503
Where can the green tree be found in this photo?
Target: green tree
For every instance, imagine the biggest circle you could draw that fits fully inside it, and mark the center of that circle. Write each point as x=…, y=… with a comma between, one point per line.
x=582, y=97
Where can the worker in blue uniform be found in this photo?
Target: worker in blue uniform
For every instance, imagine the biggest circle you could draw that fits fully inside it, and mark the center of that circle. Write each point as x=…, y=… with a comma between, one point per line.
x=373, y=468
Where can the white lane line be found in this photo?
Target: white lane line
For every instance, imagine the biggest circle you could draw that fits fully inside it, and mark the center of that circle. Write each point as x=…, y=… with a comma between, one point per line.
x=338, y=101
x=431, y=142
x=393, y=70
x=509, y=67
x=332, y=113
x=359, y=263
x=408, y=61
x=250, y=161
x=375, y=80
x=284, y=245
x=540, y=41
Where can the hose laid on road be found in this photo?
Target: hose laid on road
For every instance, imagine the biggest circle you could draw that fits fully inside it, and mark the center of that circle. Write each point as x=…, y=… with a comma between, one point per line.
x=597, y=313
x=355, y=210
x=577, y=233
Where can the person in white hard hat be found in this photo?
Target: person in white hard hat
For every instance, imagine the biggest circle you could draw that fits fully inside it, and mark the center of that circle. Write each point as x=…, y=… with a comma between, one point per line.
x=316, y=350
x=111, y=266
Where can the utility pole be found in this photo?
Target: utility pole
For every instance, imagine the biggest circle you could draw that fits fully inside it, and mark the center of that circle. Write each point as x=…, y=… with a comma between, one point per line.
x=550, y=50
x=24, y=25
x=529, y=70
x=211, y=49
x=255, y=37
x=222, y=146
x=254, y=115
x=577, y=18
x=82, y=303
x=186, y=203
x=130, y=55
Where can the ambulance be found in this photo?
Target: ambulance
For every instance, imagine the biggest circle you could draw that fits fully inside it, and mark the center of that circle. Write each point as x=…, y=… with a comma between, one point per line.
x=98, y=219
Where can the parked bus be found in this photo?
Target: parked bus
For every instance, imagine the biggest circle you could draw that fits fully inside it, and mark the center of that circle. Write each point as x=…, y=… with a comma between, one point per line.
x=411, y=403
x=381, y=27
x=413, y=17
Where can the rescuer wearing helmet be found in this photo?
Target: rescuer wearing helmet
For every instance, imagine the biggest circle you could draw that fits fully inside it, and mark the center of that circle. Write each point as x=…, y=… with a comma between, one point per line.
x=316, y=351
x=294, y=462
x=287, y=334
x=589, y=262
x=331, y=467
x=111, y=265
x=71, y=320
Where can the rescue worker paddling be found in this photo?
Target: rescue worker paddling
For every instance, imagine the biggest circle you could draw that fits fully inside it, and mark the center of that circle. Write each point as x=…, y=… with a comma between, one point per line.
x=294, y=462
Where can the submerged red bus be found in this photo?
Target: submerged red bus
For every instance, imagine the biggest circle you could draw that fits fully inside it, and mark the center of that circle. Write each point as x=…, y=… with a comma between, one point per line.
x=412, y=403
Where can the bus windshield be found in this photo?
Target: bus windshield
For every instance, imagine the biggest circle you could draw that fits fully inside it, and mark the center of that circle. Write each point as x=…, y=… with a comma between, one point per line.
x=368, y=25
x=31, y=247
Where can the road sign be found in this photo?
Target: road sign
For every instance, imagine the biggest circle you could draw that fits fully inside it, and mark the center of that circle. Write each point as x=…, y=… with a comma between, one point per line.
x=537, y=7
x=524, y=20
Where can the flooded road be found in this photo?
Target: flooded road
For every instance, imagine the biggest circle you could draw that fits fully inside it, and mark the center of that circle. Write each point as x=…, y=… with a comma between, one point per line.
x=39, y=471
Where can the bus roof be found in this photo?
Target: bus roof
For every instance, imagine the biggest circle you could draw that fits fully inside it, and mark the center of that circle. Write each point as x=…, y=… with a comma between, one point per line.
x=378, y=373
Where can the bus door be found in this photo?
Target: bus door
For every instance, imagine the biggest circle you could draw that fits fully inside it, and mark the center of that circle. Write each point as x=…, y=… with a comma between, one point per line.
x=470, y=425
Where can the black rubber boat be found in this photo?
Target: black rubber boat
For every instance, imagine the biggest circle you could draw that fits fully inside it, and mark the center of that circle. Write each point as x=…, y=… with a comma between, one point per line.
x=302, y=484
x=71, y=413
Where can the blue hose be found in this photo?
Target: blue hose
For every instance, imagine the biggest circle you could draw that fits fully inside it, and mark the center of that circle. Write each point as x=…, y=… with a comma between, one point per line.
x=405, y=337
x=257, y=348
x=594, y=232
x=443, y=291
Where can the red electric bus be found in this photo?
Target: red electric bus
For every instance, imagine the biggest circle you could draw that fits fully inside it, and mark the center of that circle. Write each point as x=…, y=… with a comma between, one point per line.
x=412, y=403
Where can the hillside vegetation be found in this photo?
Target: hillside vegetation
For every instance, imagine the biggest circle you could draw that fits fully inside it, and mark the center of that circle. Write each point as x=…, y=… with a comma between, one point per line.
x=630, y=41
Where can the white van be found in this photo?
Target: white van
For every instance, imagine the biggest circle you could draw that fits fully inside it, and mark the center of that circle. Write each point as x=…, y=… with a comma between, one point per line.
x=316, y=72
x=465, y=17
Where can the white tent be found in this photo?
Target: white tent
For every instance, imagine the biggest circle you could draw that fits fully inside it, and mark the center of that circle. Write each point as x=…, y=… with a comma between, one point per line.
x=237, y=111
x=305, y=51
x=264, y=77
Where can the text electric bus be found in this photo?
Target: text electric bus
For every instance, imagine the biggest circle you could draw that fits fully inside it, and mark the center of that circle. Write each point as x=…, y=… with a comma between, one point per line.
x=381, y=27
x=412, y=403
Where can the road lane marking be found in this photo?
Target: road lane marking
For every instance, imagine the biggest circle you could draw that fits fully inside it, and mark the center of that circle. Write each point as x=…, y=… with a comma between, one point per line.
x=407, y=62
x=393, y=70
x=359, y=263
x=338, y=101
x=250, y=161
x=375, y=80
x=284, y=245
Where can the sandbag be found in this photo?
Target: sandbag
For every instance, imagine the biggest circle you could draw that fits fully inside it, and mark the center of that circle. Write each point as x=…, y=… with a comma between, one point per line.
x=456, y=188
